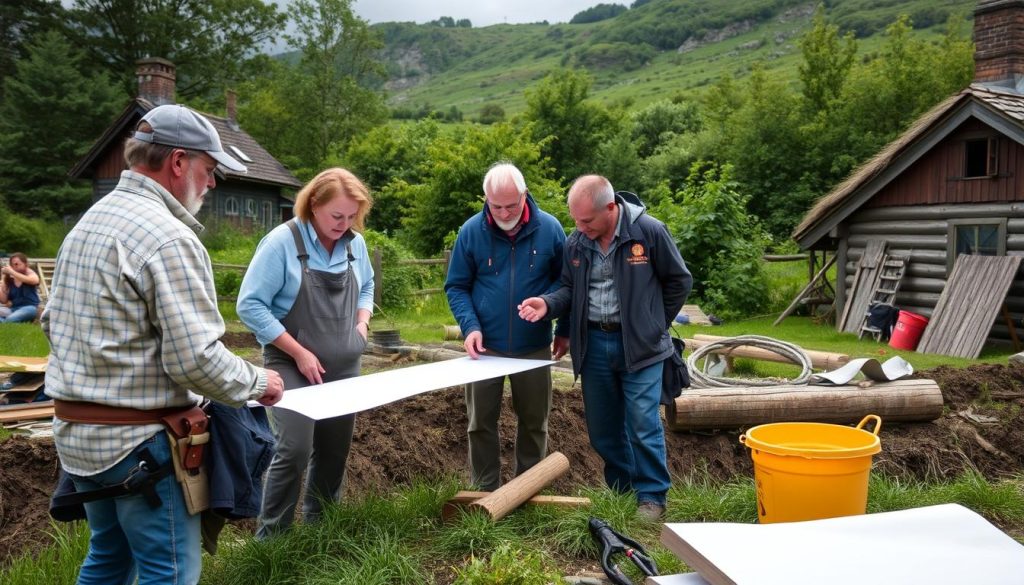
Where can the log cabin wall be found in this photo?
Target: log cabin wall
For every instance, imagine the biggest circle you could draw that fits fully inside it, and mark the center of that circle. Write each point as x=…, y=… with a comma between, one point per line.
x=921, y=232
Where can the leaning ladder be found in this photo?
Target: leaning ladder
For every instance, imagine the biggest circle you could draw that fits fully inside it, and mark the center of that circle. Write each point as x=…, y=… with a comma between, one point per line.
x=889, y=279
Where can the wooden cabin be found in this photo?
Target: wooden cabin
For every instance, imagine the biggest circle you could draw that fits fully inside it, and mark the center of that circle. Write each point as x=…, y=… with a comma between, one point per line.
x=256, y=200
x=952, y=184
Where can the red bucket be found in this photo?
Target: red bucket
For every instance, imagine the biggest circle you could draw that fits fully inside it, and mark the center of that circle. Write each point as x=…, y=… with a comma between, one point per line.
x=907, y=332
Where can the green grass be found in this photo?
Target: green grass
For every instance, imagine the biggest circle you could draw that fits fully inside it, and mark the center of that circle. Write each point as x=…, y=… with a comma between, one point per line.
x=24, y=339
x=398, y=538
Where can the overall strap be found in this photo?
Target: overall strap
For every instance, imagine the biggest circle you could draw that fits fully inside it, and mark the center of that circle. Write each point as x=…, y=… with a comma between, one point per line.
x=300, y=245
x=351, y=256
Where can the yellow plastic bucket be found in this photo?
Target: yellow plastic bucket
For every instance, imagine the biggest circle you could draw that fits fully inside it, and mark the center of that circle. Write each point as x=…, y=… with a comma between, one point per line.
x=807, y=471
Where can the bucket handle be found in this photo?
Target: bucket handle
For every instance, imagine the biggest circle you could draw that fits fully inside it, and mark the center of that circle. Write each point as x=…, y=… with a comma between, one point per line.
x=864, y=421
x=743, y=439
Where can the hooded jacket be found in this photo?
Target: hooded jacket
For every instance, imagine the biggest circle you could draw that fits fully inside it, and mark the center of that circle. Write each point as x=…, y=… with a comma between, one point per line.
x=490, y=273
x=651, y=278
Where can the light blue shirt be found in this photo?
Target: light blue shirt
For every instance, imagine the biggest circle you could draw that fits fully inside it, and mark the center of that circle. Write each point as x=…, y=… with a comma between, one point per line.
x=272, y=281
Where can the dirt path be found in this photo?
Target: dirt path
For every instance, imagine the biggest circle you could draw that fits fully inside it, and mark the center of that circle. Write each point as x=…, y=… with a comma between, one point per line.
x=425, y=437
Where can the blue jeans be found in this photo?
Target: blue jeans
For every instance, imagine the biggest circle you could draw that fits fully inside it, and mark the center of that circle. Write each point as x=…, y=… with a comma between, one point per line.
x=25, y=314
x=128, y=536
x=624, y=419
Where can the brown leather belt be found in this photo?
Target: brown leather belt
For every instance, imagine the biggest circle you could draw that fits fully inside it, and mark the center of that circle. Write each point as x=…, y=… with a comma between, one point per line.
x=188, y=424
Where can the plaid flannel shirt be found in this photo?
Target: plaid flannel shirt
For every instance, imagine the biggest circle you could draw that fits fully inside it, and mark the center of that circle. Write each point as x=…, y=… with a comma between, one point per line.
x=133, y=322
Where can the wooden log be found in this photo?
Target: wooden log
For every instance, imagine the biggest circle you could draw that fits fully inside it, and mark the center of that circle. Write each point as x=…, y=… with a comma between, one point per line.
x=724, y=408
x=463, y=498
x=511, y=495
x=822, y=360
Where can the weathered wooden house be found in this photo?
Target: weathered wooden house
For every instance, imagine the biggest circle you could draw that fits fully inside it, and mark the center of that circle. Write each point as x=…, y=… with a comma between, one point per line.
x=952, y=184
x=258, y=199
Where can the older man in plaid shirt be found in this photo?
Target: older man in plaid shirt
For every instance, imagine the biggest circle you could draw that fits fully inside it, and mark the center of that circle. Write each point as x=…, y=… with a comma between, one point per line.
x=134, y=327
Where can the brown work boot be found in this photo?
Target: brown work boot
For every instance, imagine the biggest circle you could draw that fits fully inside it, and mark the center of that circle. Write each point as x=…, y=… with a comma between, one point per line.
x=650, y=511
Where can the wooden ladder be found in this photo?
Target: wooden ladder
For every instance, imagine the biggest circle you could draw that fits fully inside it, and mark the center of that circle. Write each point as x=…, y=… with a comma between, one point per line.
x=890, y=276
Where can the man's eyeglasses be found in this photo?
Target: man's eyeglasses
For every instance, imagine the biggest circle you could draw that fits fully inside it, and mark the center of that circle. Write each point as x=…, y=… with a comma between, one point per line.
x=512, y=207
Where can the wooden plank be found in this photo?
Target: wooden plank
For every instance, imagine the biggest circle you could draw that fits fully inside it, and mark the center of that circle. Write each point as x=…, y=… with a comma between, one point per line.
x=462, y=499
x=724, y=408
x=968, y=305
x=696, y=316
x=870, y=267
x=823, y=360
x=849, y=301
x=14, y=363
x=807, y=289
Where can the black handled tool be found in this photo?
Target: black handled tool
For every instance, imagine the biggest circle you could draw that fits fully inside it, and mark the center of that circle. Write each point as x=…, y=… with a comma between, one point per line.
x=612, y=543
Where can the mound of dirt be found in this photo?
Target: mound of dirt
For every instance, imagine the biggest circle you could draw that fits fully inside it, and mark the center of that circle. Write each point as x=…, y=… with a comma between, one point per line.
x=425, y=436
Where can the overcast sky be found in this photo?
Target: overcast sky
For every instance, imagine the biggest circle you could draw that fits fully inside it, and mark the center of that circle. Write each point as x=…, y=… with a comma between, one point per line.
x=479, y=12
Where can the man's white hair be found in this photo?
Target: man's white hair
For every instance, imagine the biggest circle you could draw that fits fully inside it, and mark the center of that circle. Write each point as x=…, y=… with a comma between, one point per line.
x=501, y=174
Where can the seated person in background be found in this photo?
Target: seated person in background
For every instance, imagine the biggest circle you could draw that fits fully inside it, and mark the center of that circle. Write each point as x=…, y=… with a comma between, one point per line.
x=18, y=286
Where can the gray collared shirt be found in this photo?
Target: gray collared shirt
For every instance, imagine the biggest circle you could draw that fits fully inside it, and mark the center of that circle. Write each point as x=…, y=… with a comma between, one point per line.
x=602, y=296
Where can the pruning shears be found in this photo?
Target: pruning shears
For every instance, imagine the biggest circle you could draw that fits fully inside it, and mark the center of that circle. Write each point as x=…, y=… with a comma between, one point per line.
x=613, y=543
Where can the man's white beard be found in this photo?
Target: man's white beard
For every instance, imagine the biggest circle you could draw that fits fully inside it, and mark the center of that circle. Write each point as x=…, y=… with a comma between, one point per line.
x=193, y=199
x=509, y=225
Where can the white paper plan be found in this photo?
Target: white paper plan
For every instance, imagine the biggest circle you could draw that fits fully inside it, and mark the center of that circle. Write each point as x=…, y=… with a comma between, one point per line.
x=343, y=397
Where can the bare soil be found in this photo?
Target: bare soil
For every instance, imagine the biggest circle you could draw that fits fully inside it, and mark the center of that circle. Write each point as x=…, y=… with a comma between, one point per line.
x=425, y=437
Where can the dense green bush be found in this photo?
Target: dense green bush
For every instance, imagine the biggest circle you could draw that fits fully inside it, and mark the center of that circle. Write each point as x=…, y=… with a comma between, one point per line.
x=227, y=282
x=397, y=281
x=20, y=234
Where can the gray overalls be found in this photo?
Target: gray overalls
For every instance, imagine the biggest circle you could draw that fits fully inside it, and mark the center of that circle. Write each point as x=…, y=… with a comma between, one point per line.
x=323, y=320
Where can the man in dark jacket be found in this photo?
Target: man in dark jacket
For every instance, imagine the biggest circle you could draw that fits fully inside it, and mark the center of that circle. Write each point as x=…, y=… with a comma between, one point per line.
x=623, y=282
x=508, y=251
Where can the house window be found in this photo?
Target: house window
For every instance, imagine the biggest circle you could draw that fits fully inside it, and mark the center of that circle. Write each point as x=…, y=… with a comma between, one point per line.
x=980, y=158
x=976, y=237
x=250, y=207
x=231, y=206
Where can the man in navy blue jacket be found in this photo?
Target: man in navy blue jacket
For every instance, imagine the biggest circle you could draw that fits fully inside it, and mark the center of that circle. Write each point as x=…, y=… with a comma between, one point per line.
x=509, y=251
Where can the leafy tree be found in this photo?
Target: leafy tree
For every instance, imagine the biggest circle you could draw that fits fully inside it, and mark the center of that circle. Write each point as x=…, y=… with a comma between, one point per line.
x=331, y=92
x=827, y=62
x=209, y=41
x=721, y=243
x=388, y=159
x=491, y=113
x=660, y=121
x=20, y=20
x=451, y=190
x=571, y=128
x=51, y=115
x=598, y=13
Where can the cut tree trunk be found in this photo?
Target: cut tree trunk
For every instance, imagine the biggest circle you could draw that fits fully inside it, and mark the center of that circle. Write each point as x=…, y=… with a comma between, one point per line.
x=724, y=408
x=510, y=496
x=822, y=360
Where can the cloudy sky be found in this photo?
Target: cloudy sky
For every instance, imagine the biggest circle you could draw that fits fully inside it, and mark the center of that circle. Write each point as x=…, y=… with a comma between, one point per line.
x=479, y=12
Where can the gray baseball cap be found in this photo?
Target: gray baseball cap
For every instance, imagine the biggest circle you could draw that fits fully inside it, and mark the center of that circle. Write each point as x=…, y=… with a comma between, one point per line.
x=181, y=127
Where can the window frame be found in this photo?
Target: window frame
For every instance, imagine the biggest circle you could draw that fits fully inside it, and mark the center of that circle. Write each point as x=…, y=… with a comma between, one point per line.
x=954, y=224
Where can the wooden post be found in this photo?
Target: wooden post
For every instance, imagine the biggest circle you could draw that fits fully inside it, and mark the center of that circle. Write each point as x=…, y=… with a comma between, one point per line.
x=447, y=261
x=378, y=275
x=810, y=286
x=511, y=495
x=462, y=499
x=822, y=360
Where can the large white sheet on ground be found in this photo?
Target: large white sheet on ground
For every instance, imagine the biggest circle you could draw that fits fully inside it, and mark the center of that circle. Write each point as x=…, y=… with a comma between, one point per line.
x=343, y=397
x=933, y=545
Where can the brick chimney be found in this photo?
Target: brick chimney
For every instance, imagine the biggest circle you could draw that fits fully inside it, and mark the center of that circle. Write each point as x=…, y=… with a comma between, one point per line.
x=231, y=100
x=156, y=80
x=999, y=43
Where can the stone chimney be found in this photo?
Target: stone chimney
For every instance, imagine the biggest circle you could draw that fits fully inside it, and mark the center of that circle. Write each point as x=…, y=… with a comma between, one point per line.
x=156, y=80
x=231, y=100
x=999, y=43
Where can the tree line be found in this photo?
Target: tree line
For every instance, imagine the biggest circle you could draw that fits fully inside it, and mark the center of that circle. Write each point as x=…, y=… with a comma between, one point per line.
x=731, y=170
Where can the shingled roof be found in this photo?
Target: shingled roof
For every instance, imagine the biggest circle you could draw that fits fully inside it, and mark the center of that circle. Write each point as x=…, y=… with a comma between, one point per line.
x=1002, y=109
x=263, y=167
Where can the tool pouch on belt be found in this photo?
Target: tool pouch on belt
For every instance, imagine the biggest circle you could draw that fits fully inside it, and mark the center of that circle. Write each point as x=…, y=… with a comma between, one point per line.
x=189, y=433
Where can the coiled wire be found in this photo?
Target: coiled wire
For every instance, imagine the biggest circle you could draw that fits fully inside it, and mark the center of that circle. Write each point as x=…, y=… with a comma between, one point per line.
x=700, y=378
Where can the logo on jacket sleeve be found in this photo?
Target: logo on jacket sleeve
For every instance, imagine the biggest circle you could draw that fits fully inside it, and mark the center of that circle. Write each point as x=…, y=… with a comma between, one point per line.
x=638, y=254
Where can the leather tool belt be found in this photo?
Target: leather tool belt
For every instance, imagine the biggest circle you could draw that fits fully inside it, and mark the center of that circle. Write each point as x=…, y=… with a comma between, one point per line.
x=188, y=426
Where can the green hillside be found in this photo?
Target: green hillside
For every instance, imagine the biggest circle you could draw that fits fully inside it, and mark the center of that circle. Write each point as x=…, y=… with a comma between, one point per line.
x=655, y=49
